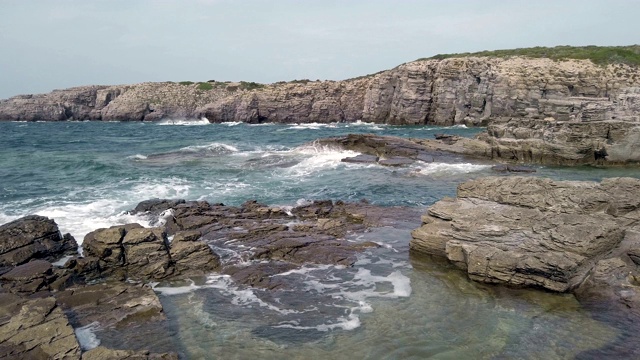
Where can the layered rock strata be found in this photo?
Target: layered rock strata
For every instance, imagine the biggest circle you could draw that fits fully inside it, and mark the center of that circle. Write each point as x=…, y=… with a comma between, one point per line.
x=557, y=235
x=467, y=90
x=606, y=143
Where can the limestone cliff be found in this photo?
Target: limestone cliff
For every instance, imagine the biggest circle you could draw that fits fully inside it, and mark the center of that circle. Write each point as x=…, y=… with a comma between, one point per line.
x=458, y=90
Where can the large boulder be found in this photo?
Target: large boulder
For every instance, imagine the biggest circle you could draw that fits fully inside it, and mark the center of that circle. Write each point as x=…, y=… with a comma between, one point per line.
x=145, y=254
x=524, y=231
x=32, y=237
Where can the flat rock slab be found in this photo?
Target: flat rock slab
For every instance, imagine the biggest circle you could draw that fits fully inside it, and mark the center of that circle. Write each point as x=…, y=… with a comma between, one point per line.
x=35, y=329
x=361, y=159
x=114, y=304
x=446, y=149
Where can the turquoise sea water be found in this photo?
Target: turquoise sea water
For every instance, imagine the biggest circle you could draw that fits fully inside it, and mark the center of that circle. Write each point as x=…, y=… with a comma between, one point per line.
x=391, y=305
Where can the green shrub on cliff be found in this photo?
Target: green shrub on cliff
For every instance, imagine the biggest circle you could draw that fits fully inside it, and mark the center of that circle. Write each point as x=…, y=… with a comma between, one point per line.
x=601, y=55
x=204, y=86
x=186, y=83
x=244, y=85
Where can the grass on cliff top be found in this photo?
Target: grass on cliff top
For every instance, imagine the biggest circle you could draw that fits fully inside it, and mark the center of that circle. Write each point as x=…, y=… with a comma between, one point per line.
x=601, y=55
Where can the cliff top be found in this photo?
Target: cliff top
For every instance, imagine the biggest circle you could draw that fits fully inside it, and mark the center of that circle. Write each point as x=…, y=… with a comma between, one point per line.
x=601, y=55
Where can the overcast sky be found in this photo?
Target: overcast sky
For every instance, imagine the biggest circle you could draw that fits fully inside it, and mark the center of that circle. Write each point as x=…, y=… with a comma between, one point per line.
x=46, y=44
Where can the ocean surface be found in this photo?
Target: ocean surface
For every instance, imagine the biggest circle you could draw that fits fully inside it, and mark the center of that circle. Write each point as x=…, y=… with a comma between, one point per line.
x=390, y=305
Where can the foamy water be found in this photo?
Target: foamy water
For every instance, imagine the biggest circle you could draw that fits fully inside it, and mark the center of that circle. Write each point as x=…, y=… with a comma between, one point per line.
x=87, y=337
x=184, y=122
x=445, y=169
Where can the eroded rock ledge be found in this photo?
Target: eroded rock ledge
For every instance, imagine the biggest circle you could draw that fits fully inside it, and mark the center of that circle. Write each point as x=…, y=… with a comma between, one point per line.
x=608, y=143
x=562, y=236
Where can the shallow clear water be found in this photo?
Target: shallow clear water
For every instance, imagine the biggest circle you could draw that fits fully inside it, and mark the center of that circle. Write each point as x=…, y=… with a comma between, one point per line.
x=389, y=305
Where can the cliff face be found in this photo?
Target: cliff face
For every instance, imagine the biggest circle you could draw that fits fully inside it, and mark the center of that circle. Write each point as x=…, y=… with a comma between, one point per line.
x=468, y=90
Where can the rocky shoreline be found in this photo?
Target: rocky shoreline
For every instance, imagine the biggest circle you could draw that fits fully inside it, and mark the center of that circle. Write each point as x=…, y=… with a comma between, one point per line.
x=561, y=236
x=45, y=307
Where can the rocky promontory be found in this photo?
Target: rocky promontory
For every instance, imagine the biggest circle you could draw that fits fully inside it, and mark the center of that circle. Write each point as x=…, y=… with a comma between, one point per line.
x=563, y=236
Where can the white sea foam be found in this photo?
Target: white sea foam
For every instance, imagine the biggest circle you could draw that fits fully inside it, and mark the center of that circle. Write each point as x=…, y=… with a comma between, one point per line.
x=242, y=297
x=185, y=122
x=163, y=188
x=319, y=158
x=263, y=124
x=87, y=337
x=231, y=123
x=350, y=322
x=443, y=169
x=372, y=126
x=137, y=157
x=82, y=218
x=213, y=147
x=312, y=126
x=177, y=290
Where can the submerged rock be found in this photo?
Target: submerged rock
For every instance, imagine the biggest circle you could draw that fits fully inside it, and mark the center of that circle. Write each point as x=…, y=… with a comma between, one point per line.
x=558, y=235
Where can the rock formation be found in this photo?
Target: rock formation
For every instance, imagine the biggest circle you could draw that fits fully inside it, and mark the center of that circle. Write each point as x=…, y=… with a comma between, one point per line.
x=558, y=235
x=526, y=141
x=267, y=240
x=32, y=237
x=43, y=307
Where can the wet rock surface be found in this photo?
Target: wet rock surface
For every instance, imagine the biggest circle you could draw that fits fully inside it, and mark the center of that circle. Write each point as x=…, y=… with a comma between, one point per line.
x=558, y=235
x=255, y=240
x=103, y=353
